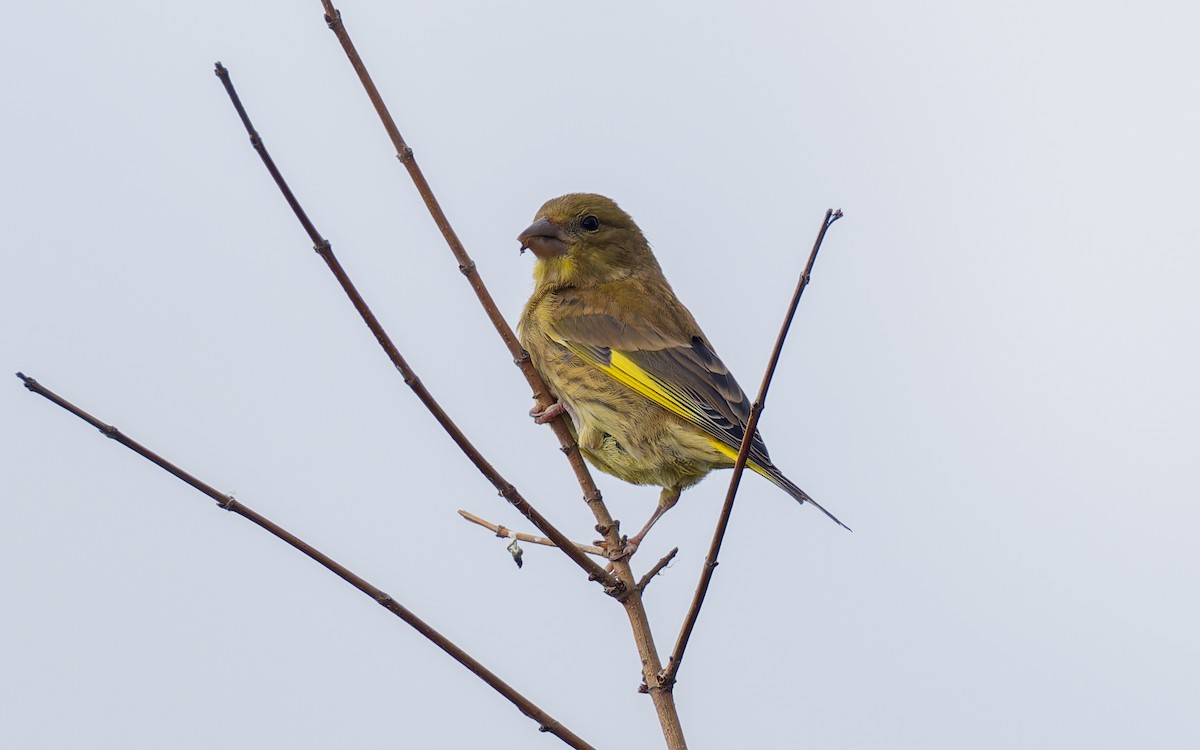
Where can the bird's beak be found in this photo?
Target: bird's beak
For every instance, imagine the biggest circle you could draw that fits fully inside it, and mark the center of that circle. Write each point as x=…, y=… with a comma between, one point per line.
x=545, y=238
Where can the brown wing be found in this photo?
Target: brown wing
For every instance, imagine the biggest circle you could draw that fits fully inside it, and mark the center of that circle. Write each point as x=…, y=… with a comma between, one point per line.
x=668, y=361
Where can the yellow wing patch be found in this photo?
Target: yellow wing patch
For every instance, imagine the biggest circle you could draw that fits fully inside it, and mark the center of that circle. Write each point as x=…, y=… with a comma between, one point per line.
x=732, y=453
x=626, y=372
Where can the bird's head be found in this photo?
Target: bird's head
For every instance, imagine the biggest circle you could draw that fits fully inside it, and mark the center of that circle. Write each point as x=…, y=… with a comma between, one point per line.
x=583, y=239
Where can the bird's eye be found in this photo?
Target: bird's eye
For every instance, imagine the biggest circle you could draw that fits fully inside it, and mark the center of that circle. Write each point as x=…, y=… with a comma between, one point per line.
x=590, y=223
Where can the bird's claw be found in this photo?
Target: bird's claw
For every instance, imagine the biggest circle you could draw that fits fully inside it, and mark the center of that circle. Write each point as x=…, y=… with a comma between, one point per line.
x=628, y=547
x=549, y=414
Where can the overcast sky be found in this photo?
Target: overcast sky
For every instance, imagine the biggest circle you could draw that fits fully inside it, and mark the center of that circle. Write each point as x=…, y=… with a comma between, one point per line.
x=992, y=377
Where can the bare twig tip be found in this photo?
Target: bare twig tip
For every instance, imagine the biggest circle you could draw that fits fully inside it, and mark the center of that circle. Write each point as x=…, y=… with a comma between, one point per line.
x=656, y=569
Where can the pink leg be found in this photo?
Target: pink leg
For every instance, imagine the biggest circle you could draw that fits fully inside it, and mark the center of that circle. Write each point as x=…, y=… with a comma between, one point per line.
x=666, y=501
x=549, y=414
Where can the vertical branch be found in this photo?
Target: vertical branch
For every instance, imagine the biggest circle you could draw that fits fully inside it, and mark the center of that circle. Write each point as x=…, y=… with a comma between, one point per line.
x=714, y=549
x=546, y=723
x=629, y=596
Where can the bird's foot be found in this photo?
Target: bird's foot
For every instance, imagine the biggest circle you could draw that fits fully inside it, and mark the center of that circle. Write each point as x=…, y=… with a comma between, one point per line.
x=629, y=545
x=549, y=414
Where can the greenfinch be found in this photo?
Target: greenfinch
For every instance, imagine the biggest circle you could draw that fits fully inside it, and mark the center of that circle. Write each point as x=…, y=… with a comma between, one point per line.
x=648, y=398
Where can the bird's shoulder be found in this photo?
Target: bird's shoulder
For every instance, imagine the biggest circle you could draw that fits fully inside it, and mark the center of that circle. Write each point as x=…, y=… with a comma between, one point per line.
x=627, y=315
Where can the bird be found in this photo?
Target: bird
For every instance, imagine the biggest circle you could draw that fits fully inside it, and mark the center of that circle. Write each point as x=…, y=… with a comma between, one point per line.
x=648, y=399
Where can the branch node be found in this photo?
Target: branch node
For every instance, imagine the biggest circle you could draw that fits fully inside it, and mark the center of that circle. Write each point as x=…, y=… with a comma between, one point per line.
x=405, y=155
x=509, y=493
x=618, y=591
x=466, y=269
x=335, y=20
x=521, y=358
x=324, y=248
x=666, y=681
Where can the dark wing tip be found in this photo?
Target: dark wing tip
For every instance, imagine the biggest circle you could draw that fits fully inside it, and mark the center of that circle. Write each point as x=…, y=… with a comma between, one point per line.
x=776, y=476
x=833, y=517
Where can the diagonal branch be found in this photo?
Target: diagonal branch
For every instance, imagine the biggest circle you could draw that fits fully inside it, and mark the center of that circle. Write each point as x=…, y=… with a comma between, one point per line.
x=710, y=560
x=325, y=250
x=628, y=594
x=604, y=521
x=546, y=723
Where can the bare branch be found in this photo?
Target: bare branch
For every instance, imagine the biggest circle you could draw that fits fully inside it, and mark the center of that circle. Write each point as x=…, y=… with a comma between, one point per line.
x=546, y=723
x=325, y=250
x=710, y=560
x=541, y=394
x=630, y=598
x=506, y=533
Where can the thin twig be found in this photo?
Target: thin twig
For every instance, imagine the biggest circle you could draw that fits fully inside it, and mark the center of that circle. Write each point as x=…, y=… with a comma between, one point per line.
x=630, y=598
x=506, y=533
x=325, y=250
x=710, y=560
x=546, y=723
x=645, y=580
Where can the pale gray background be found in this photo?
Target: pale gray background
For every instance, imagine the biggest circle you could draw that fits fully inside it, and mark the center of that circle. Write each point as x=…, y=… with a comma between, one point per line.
x=992, y=377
